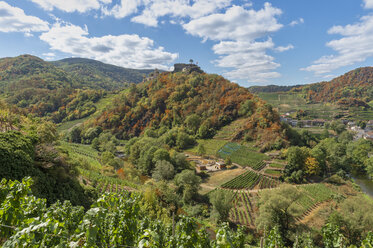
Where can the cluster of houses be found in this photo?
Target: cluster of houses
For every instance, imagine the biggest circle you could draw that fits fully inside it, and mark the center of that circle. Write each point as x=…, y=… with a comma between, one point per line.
x=303, y=123
x=366, y=133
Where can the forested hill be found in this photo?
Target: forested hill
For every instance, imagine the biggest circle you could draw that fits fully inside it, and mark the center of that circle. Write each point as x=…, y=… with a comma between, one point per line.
x=29, y=71
x=202, y=102
x=95, y=73
x=61, y=90
x=356, y=85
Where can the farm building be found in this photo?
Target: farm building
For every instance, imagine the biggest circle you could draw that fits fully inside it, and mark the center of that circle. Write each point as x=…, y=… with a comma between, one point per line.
x=201, y=167
x=220, y=165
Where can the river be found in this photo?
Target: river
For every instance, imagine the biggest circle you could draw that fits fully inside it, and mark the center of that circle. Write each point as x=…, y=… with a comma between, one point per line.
x=365, y=183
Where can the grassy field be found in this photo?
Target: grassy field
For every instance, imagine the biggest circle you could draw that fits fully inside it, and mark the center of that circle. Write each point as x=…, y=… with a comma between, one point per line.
x=227, y=132
x=273, y=172
x=276, y=165
x=241, y=155
x=211, y=146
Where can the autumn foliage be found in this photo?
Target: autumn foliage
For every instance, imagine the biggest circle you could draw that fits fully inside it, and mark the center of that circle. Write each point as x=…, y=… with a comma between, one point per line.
x=170, y=99
x=353, y=85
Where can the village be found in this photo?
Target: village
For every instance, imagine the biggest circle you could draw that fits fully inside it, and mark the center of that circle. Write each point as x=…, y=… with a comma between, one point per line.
x=364, y=131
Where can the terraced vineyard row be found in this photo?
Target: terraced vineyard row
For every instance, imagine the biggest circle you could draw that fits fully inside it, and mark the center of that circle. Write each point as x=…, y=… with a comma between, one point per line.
x=103, y=187
x=258, y=166
x=313, y=195
x=249, y=179
x=246, y=180
x=84, y=150
x=267, y=182
x=242, y=211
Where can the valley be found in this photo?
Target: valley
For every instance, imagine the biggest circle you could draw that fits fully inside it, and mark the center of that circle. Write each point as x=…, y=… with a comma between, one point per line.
x=183, y=148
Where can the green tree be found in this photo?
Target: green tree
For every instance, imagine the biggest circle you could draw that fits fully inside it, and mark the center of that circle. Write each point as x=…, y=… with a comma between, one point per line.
x=179, y=161
x=201, y=149
x=193, y=122
x=296, y=158
x=247, y=108
x=222, y=202
x=164, y=170
x=325, y=133
x=95, y=144
x=188, y=183
x=278, y=208
x=355, y=218
x=183, y=140
x=358, y=151
x=47, y=132
x=74, y=135
x=338, y=127
x=345, y=137
x=161, y=154
x=369, y=166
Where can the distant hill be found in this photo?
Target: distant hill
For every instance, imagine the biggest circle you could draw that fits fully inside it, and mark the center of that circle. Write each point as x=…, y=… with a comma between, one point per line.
x=34, y=84
x=172, y=99
x=95, y=74
x=353, y=89
x=354, y=86
x=62, y=90
x=271, y=88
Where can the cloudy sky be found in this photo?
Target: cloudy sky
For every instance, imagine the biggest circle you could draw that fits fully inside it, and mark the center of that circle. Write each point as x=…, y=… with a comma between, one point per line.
x=251, y=42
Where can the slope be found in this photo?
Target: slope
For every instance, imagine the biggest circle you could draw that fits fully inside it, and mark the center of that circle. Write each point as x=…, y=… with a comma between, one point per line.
x=95, y=74
x=64, y=90
x=202, y=102
x=351, y=89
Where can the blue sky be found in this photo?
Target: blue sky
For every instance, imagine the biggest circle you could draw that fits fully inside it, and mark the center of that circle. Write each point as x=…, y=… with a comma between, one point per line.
x=249, y=42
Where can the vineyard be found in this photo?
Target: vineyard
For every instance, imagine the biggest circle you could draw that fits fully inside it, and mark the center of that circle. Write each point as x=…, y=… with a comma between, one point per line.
x=249, y=179
x=83, y=152
x=242, y=212
x=92, y=168
x=103, y=187
x=313, y=194
x=242, y=155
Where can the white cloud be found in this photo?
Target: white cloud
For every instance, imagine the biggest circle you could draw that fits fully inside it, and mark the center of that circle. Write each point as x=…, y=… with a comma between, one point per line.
x=123, y=50
x=236, y=23
x=368, y=4
x=49, y=56
x=240, y=46
x=70, y=5
x=354, y=46
x=249, y=60
x=125, y=8
x=297, y=22
x=154, y=9
x=284, y=48
x=13, y=19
